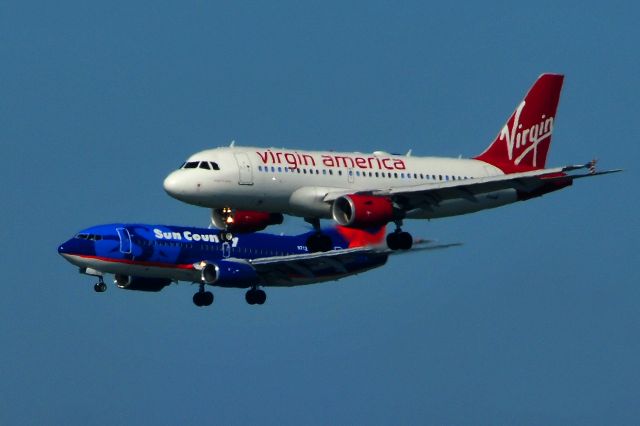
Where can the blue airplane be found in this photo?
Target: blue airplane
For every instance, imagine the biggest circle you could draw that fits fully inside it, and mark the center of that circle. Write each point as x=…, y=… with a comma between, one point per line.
x=150, y=257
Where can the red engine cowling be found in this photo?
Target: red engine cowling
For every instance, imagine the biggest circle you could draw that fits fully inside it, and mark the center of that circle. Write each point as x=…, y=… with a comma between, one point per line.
x=362, y=211
x=244, y=220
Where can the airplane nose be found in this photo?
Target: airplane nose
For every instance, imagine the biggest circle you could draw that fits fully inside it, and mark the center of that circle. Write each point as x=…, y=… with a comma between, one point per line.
x=172, y=184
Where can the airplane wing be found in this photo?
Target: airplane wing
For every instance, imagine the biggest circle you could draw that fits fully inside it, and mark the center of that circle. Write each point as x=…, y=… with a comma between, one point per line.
x=529, y=184
x=310, y=268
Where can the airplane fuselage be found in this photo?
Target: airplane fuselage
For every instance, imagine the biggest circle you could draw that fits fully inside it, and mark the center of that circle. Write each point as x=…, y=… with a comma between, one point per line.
x=176, y=253
x=296, y=182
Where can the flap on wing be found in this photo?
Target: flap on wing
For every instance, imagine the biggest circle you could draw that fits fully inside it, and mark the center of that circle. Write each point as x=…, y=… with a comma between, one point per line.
x=317, y=266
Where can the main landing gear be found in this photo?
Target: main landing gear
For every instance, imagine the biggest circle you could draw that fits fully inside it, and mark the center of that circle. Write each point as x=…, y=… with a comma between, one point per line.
x=255, y=296
x=399, y=239
x=318, y=241
x=100, y=286
x=203, y=298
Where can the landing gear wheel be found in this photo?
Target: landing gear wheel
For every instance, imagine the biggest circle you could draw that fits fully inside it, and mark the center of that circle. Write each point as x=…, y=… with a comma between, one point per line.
x=399, y=240
x=319, y=242
x=203, y=298
x=261, y=297
x=255, y=296
x=207, y=297
x=197, y=299
x=250, y=297
x=100, y=287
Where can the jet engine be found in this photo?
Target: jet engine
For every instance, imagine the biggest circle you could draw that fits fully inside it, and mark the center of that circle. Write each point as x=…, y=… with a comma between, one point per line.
x=226, y=273
x=128, y=282
x=362, y=211
x=243, y=220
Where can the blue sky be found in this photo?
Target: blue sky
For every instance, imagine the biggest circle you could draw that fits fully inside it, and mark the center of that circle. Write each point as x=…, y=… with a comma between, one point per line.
x=533, y=321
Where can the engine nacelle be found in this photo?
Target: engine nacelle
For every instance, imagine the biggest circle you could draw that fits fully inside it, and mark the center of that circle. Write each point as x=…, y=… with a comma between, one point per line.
x=362, y=211
x=244, y=220
x=225, y=273
x=128, y=282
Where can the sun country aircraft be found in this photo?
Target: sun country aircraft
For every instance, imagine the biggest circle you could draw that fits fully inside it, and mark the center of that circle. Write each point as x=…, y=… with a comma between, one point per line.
x=250, y=188
x=150, y=257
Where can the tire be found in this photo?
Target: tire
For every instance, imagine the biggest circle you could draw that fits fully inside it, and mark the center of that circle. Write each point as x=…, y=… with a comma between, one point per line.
x=197, y=299
x=393, y=241
x=261, y=297
x=250, y=297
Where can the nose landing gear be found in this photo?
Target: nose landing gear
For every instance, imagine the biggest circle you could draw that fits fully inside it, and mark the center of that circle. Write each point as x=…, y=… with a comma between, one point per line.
x=100, y=286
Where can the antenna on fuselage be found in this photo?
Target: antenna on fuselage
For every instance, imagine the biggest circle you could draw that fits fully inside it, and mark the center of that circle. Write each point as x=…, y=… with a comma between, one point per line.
x=233, y=143
x=409, y=153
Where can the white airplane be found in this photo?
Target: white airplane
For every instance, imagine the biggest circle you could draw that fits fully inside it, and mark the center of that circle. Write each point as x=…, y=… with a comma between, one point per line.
x=249, y=188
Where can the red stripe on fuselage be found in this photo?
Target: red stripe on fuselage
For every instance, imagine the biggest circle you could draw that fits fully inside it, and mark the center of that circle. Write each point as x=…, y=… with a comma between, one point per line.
x=138, y=262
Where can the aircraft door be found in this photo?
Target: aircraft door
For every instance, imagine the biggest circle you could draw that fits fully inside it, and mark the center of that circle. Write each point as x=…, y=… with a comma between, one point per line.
x=244, y=167
x=125, y=240
x=226, y=249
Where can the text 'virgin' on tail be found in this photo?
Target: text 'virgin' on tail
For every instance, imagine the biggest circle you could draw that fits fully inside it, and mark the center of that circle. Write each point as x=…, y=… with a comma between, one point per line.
x=523, y=143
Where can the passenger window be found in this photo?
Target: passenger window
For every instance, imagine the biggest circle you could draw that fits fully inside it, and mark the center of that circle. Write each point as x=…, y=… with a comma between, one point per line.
x=331, y=172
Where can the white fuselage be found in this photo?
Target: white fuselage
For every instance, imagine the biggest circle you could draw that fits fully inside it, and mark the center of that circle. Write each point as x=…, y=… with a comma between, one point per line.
x=296, y=182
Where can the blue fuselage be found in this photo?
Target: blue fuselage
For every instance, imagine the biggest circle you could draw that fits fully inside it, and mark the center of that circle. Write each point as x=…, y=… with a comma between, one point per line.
x=174, y=253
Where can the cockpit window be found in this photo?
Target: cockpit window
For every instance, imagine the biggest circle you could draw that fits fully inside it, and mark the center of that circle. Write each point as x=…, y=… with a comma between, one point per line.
x=91, y=237
x=207, y=165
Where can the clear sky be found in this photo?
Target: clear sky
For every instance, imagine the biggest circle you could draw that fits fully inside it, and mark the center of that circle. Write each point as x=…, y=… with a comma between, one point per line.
x=535, y=320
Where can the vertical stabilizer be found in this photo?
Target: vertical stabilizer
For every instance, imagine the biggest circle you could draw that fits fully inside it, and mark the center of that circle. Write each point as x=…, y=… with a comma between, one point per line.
x=523, y=143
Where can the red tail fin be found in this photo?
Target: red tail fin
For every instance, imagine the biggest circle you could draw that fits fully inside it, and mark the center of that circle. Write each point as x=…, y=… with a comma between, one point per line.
x=523, y=143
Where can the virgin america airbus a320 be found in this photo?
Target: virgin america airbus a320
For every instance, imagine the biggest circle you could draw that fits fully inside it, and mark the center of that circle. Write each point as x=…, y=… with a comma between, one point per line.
x=250, y=188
